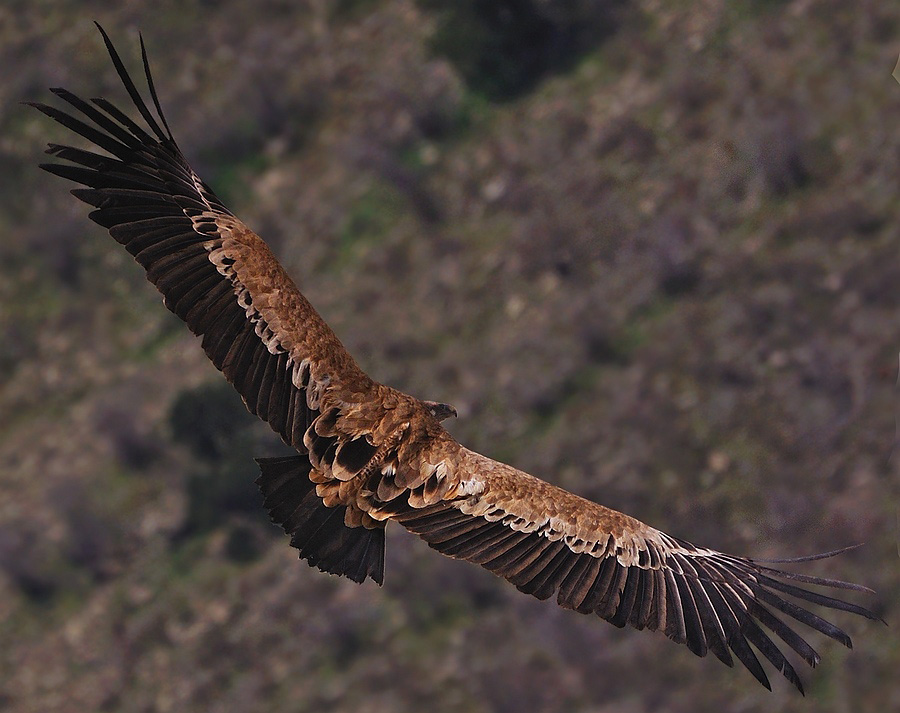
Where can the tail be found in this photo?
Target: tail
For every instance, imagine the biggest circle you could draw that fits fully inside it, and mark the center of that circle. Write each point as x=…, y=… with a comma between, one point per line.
x=318, y=531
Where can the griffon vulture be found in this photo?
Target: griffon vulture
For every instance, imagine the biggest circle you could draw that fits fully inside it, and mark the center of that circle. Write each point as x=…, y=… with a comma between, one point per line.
x=368, y=454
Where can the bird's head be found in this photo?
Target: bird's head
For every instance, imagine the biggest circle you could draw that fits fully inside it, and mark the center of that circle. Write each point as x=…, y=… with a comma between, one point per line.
x=439, y=411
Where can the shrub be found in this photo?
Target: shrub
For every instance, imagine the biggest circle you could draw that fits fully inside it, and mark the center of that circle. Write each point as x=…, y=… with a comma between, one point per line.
x=93, y=540
x=206, y=419
x=502, y=48
x=214, y=425
x=134, y=446
x=26, y=560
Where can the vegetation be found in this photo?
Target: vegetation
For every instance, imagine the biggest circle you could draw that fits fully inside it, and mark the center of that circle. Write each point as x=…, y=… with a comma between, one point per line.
x=649, y=250
x=502, y=48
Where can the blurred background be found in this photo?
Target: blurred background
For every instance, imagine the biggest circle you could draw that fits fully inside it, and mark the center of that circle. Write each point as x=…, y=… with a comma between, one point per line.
x=650, y=250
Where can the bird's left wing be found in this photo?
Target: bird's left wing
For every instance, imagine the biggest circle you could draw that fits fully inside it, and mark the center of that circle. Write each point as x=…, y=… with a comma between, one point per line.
x=548, y=541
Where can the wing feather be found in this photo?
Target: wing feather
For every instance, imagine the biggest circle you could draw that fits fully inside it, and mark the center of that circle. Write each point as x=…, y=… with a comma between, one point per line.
x=646, y=600
x=534, y=565
x=213, y=272
x=547, y=542
x=620, y=610
x=256, y=327
x=575, y=587
x=545, y=583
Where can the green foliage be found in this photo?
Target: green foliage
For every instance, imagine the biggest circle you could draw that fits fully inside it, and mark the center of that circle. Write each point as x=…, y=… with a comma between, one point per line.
x=749, y=9
x=208, y=419
x=667, y=281
x=351, y=9
x=369, y=220
x=29, y=563
x=502, y=48
x=242, y=543
x=217, y=492
x=214, y=425
x=229, y=167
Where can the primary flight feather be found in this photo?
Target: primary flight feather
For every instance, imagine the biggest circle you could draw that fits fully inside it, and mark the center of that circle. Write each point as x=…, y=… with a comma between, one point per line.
x=368, y=453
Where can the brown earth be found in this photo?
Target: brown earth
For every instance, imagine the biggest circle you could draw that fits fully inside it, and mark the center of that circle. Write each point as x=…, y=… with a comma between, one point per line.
x=665, y=275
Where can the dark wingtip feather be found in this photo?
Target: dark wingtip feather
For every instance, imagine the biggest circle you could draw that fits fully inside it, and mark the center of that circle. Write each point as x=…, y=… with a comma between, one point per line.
x=811, y=558
x=56, y=169
x=43, y=108
x=816, y=598
x=88, y=195
x=819, y=581
x=129, y=85
x=153, y=94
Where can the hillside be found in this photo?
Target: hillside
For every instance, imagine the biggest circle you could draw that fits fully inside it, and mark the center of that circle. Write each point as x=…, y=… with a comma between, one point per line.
x=650, y=252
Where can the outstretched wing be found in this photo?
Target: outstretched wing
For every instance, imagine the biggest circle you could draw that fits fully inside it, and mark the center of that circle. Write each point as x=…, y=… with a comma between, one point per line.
x=548, y=542
x=213, y=271
x=376, y=451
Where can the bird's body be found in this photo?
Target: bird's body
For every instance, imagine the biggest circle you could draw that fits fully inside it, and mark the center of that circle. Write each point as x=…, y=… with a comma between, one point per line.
x=368, y=454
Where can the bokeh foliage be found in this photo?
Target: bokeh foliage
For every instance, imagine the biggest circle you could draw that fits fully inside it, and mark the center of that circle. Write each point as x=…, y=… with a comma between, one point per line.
x=649, y=251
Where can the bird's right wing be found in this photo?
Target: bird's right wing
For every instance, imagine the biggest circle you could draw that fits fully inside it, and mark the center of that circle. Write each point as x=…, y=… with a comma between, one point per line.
x=213, y=271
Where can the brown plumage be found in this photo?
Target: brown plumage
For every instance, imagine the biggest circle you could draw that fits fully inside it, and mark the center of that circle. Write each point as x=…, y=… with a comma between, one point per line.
x=368, y=453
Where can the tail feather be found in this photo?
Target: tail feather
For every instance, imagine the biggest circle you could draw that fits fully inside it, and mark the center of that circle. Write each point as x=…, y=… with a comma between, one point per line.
x=317, y=531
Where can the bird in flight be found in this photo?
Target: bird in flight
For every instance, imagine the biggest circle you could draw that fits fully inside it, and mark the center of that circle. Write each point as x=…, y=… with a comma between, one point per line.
x=368, y=454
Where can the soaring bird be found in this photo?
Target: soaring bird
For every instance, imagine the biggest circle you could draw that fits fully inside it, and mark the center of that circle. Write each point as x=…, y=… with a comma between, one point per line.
x=368, y=454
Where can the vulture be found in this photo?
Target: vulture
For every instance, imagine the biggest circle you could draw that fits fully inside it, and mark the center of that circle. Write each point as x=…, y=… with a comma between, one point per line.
x=367, y=454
